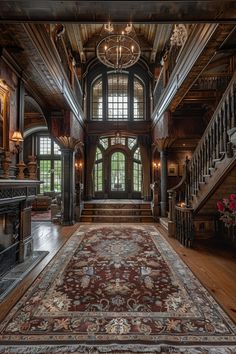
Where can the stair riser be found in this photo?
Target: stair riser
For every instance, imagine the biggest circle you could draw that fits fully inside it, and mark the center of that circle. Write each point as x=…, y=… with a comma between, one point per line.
x=116, y=206
x=111, y=219
x=118, y=212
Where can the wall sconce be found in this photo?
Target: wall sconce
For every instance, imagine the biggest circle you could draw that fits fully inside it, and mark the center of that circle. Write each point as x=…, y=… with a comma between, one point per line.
x=78, y=165
x=156, y=165
x=17, y=138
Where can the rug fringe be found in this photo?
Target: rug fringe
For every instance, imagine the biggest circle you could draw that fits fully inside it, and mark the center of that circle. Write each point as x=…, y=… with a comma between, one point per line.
x=114, y=349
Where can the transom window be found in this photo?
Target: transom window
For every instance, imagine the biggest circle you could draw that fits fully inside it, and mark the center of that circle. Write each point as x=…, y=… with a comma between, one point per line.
x=118, y=97
x=117, y=140
x=49, y=164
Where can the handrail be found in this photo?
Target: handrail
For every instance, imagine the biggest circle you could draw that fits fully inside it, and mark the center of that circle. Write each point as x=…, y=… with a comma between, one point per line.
x=219, y=106
x=213, y=147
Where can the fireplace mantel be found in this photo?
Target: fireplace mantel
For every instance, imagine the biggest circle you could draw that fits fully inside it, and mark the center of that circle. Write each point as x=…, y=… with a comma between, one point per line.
x=13, y=190
x=16, y=242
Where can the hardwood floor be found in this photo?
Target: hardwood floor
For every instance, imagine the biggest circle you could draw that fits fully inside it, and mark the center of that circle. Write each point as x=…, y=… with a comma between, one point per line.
x=47, y=237
x=214, y=265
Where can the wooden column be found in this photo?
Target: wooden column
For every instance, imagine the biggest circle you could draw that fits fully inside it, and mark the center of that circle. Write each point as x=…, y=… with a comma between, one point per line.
x=21, y=111
x=163, y=203
x=145, y=152
x=68, y=145
x=163, y=144
x=91, y=146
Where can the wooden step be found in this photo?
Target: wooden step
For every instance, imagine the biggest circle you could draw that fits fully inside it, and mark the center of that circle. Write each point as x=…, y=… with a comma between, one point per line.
x=121, y=212
x=117, y=205
x=117, y=211
x=116, y=219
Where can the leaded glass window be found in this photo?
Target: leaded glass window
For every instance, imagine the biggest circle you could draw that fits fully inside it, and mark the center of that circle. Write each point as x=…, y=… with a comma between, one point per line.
x=117, y=97
x=137, y=171
x=49, y=164
x=98, y=172
x=138, y=100
x=131, y=143
x=118, y=172
x=118, y=140
x=97, y=111
x=45, y=170
x=104, y=143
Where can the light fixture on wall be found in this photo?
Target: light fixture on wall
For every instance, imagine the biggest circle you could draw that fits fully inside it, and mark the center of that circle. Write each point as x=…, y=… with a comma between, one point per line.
x=18, y=139
x=120, y=48
x=156, y=165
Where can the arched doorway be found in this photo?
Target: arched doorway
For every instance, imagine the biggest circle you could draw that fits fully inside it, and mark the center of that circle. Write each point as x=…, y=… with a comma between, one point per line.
x=117, y=169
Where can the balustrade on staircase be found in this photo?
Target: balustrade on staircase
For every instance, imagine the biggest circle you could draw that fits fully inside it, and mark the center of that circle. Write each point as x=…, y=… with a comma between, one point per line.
x=214, y=146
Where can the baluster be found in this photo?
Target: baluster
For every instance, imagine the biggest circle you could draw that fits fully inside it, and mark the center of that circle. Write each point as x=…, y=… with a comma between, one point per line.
x=225, y=128
x=218, y=136
x=233, y=106
x=205, y=156
x=221, y=132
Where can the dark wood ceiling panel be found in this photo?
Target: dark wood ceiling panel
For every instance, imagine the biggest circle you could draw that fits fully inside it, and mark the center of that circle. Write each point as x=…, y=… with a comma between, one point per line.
x=120, y=11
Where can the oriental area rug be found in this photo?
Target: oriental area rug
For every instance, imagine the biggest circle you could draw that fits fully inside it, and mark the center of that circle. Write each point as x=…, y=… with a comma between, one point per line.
x=117, y=288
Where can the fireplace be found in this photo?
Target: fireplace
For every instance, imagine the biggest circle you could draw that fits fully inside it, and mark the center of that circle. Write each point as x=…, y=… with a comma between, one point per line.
x=16, y=243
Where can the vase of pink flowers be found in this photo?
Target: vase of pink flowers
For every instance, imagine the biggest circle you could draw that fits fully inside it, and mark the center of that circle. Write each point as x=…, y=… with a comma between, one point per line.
x=227, y=209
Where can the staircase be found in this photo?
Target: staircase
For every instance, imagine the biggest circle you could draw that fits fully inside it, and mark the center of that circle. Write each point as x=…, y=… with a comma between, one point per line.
x=117, y=212
x=208, y=177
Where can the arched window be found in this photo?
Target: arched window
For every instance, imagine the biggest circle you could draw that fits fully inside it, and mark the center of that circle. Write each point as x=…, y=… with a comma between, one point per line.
x=137, y=171
x=117, y=96
x=49, y=156
x=138, y=100
x=98, y=171
x=97, y=100
x=118, y=171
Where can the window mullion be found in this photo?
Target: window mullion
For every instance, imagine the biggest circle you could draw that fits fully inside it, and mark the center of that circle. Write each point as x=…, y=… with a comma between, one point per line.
x=105, y=96
x=131, y=97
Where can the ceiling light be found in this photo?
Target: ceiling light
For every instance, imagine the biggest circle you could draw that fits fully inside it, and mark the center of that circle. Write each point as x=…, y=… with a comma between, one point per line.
x=120, y=49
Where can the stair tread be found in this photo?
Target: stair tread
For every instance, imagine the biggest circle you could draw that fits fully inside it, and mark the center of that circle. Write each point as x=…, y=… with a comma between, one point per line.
x=138, y=209
x=117, y=216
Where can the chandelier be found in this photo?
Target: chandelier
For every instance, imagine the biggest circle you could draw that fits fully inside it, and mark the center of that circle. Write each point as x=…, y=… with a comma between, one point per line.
x=120, y=48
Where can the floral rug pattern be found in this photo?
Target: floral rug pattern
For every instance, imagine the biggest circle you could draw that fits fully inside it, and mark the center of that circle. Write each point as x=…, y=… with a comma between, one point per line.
x=119, y=285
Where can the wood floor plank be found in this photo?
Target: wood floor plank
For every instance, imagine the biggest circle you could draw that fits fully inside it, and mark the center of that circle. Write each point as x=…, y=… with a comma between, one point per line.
x=214, y=264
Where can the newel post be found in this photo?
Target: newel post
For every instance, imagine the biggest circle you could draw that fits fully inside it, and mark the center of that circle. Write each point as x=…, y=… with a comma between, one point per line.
x=155, y=200
x=171, y=221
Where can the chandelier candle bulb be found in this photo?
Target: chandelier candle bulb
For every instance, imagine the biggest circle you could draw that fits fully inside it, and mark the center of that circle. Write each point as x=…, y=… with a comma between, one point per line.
x=120, y=49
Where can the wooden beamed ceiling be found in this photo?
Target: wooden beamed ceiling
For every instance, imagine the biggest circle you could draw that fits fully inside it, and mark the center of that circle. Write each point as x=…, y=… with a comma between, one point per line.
x=152, y=39
x=162, y=11
x=153, y=22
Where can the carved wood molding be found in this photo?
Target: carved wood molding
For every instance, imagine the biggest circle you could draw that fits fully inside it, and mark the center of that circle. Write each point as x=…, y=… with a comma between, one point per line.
x=202, y=44
x=164, y=143
x=67, y=142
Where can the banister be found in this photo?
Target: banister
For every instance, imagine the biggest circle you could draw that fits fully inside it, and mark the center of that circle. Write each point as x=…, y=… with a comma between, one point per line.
x=217, y=111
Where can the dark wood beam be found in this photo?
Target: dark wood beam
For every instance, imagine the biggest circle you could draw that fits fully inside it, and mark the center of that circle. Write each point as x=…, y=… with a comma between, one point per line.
x=180, y=11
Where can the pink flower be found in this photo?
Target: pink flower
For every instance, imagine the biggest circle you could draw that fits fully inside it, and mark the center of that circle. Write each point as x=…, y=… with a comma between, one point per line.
x=232, y=205
x=220, y=206
x=232, y=197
